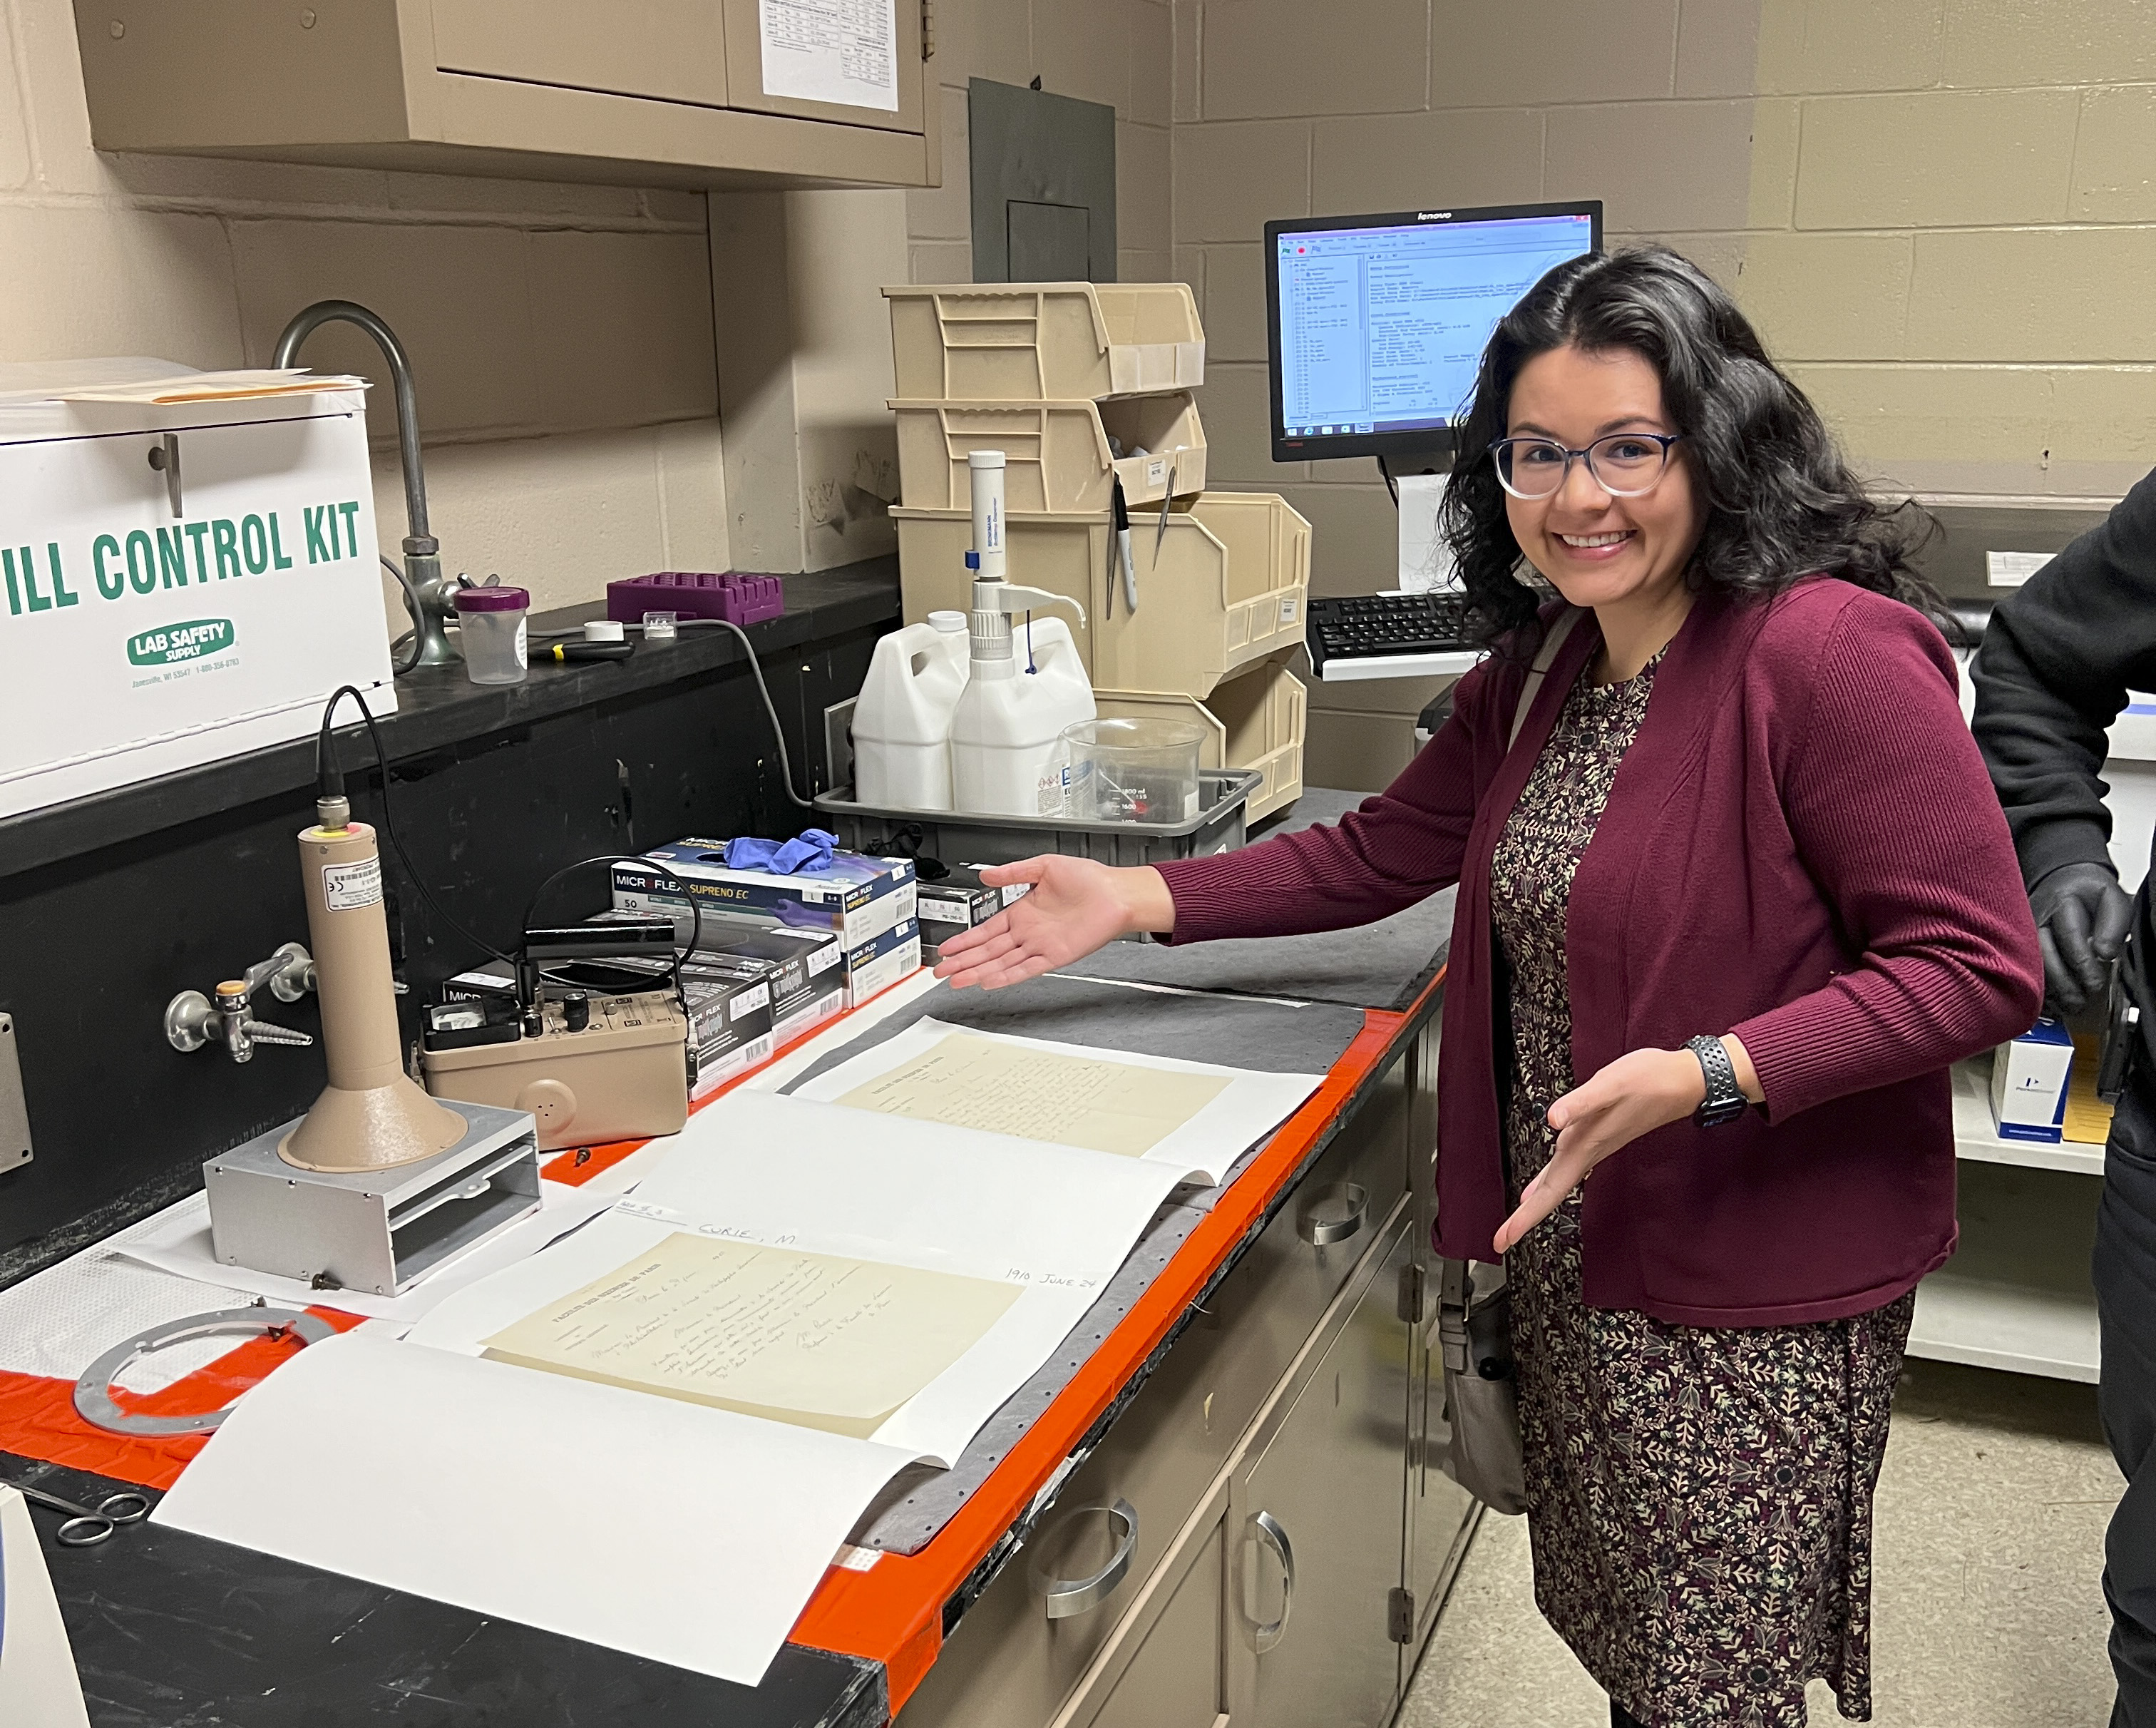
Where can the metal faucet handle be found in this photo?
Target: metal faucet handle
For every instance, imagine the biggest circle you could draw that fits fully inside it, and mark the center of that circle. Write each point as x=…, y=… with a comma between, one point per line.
x=192, y=1019
x=290, y=973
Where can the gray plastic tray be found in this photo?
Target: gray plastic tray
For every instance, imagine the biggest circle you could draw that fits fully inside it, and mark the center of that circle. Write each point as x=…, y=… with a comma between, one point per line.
x=960, y=837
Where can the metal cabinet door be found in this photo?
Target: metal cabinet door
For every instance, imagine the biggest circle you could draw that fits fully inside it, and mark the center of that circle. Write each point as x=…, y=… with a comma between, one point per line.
x=673, y=49
x=1171, y=1677
x=1315, y=1521
x=1441, y=1514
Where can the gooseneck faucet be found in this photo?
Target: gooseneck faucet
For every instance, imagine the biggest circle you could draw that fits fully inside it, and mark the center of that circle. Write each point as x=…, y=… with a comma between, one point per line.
x=427, y=597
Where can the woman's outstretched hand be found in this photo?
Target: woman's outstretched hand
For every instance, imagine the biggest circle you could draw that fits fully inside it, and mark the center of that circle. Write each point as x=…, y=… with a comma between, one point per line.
x=1074, y=906
x=1637, y=1093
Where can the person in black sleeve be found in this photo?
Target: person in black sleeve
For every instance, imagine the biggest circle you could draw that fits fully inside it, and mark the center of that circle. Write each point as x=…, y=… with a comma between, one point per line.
x=2052, y=673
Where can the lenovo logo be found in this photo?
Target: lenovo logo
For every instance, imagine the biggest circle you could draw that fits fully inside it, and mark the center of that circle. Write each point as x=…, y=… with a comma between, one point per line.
x=1433, y=215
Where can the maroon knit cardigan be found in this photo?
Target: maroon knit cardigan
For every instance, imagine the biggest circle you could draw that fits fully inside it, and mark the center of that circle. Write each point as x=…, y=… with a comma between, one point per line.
x=1801, y=847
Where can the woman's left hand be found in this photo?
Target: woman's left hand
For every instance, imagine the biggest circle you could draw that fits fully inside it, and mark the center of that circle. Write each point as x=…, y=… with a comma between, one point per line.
x=1636, y=1095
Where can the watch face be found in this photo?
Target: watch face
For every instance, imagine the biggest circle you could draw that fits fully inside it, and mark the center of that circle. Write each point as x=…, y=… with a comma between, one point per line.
x=1714, y=1115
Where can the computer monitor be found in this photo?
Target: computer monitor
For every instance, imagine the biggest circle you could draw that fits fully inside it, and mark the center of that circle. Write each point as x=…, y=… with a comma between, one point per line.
x=1376, y=323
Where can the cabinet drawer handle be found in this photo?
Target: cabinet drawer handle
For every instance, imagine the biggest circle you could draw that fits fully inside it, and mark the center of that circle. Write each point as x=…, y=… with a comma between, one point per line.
x=1339, y=1213
x=1069, y=1596
x=1269, y=1533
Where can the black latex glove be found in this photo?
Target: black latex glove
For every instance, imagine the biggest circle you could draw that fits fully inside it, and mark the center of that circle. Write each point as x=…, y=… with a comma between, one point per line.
x=2083, y=916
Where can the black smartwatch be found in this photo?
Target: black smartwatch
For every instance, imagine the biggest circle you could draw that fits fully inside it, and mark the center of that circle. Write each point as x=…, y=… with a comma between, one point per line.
x=1725, y=1100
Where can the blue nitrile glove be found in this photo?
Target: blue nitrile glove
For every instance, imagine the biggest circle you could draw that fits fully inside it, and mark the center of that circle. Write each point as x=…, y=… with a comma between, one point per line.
x=809, y=854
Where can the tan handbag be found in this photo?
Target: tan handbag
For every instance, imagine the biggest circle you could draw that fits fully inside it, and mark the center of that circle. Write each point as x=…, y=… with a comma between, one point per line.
x=1480, y=1448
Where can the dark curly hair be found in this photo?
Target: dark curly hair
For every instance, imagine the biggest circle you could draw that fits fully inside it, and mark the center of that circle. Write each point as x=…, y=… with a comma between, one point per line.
x=1780, y=501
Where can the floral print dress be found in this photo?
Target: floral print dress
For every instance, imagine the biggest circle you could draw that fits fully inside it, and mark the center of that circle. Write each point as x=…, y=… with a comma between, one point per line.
x=1699, y=1499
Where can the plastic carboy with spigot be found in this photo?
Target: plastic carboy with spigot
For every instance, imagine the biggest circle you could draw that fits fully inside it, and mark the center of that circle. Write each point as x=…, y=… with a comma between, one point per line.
x=1025, y=680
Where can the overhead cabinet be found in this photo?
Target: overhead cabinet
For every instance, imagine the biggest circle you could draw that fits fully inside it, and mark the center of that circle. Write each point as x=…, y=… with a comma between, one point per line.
x=695, y=93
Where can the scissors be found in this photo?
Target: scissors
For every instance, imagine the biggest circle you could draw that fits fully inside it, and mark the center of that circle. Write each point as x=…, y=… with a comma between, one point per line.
x=86, y=1526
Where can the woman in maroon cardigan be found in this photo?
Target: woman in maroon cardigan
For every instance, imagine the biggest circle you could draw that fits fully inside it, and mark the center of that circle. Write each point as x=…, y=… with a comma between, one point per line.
x=1730, y=904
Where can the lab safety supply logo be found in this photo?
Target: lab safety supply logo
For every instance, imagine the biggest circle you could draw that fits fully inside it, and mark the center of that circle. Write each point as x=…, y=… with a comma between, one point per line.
x=174, y=644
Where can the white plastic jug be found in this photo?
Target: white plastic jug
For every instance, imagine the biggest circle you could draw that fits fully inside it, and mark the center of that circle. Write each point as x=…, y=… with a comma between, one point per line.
x=903, y=719
x=1010, y=719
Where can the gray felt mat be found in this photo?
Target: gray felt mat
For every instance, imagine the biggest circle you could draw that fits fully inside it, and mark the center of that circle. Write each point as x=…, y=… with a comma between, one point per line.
x=1380, y=965
x=1270, y=1037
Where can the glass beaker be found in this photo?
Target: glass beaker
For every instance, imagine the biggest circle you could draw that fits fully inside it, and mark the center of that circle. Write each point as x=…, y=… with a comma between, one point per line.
x=1131, y=770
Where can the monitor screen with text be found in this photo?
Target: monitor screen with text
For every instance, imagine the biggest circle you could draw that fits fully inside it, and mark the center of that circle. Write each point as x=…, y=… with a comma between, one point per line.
x=1378, y=322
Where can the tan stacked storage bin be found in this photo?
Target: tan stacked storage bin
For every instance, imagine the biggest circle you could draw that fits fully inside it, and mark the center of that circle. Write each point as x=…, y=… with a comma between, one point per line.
x=1060, y=377
x=1044, y=341
x=1057, y=456
x=1223, y=588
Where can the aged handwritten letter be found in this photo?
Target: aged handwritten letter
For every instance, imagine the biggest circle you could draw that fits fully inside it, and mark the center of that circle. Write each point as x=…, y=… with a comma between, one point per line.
x=816, y=1340
x=1032, y=1094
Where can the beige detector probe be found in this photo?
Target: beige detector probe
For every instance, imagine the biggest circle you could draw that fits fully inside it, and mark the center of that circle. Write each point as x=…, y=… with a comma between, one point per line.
x=371, y=1115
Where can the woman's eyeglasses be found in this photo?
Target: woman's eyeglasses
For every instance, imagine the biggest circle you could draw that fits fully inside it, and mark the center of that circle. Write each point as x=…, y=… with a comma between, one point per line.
x=1623, y=465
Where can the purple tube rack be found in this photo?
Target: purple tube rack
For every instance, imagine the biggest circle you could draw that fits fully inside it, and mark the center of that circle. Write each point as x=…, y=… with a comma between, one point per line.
x=697, y=594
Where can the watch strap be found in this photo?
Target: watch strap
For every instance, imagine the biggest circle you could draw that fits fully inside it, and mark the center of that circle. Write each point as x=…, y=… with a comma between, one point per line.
x=1725, y=1098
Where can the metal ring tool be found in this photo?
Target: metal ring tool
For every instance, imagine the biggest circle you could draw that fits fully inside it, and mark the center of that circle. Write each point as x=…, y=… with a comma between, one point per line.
x=93, y=1391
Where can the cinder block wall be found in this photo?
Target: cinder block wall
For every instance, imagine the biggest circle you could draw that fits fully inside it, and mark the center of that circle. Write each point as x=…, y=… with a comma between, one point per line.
x=1941, y=212
x=562, y=335
x=1117, y=52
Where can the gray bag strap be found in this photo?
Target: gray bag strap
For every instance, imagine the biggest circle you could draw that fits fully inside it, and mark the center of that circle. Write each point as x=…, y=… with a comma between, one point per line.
x=1551, y=643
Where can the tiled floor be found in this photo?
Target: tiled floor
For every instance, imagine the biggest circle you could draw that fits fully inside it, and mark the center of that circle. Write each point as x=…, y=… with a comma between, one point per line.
x=1987, y=1608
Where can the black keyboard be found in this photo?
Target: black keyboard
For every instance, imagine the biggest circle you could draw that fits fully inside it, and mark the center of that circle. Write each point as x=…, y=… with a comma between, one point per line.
x=1381, y=626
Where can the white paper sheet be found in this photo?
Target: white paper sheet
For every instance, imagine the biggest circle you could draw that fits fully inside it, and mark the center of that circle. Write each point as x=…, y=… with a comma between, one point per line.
x=1426, y=562
x=183, y=1249
x=38, y=1685
x=831, y=51
x=668, y=1530
x=790, y=1172
x=1251, y=1106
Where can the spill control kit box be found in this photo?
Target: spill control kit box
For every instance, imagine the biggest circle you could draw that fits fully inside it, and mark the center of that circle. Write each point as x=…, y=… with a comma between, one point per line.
x=180, y=581
x=2028, y=1083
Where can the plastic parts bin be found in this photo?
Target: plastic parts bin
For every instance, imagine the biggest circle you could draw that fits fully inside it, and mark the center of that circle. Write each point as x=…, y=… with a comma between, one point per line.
x=1035, y=341
x=1226, y=590
x=1057, y=456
